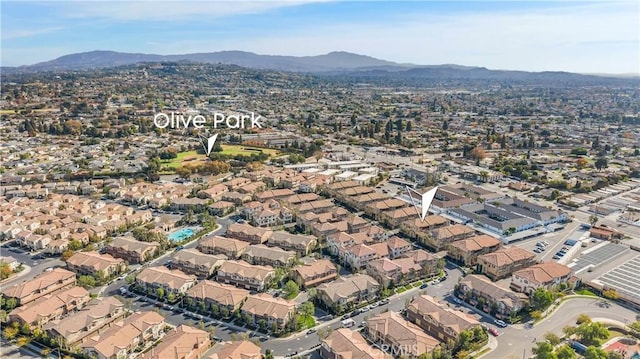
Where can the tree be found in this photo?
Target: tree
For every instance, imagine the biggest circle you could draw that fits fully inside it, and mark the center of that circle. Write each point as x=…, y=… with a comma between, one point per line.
x=601, y=163
x=593, y=219
x=544, y=350
x=5, y=270
x=614, y=355
x=45, y=352
x=74, y=245
x=591, y=333
x=171, y=297
x=581, y=163
x=611, y=294
x=291, y=289
x=552, y=338
x=565, y=352
x=11, y=303
x=66, y=255
x=268, y=354
x=10, y=333
x=541, y=299
x=635, y=328
x=86, y=281
x=130, y=278
x=595, y=353
x=308, y=308
x=183, y=172
x=160, y=293
x=478, y=154
x=22, y=341
x=583, y=318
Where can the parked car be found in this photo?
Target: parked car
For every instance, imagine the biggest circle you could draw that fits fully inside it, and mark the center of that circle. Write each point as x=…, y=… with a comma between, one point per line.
x=311, y=331
x=424, y=285
x=457, y=300
x=493, y=331
x=500, y=323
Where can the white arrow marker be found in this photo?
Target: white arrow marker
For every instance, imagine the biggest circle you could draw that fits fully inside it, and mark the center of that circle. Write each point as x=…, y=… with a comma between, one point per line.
x=210, y=142
x=425, y=200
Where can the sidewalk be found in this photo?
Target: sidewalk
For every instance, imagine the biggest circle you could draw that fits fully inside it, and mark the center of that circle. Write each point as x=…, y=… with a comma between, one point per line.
x=24, y=272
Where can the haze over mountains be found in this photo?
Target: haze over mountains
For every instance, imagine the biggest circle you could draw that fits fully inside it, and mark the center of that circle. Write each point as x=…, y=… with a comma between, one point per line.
x=337, y=62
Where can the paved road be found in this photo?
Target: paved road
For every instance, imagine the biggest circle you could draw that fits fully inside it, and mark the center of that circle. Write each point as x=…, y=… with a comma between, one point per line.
x=516, y=341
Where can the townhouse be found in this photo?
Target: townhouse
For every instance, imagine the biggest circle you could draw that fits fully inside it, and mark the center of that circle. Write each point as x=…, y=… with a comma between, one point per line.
x=441, y=237
x=244, y=275
x=403, y=338
x=42, y=284
x=347, y=291
x=478, y=289
x=232, y=248
x=314, y=273
x=438, y=319
x=183, y=342
x=95, y=317
x=172, y=281
x=419, y=229
x=301, y=244
x=466, y=251
x=272, y=256
x=132, y=250
x=226, y=298
x=548, y=275
x=96, y=264
x=269, y=312
x=243, y=349
x=248, y=233
x=138, y=329
x=51, y=306
x=192, y=261
x=501, y=263
x=345, y=343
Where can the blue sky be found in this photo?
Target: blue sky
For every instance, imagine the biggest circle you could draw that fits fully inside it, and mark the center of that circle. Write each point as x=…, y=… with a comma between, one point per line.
x=578, y=36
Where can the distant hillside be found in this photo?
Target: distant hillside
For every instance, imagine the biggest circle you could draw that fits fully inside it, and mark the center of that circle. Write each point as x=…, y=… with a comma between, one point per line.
x=334, y=61
x=337, y=63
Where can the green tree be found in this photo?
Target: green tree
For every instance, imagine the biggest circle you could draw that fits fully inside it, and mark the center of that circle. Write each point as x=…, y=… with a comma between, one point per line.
x=130, y=278
x=601, y=163
x=268, y=354
x=614, y=355
x=595, y=353
x=593, y=219
x=86, y=281
x=10, y=304
x=74, y=245
x=565, y=352
x=544, y=350
x=22, y=341
x=541, y=299
x=10, y=333
x=308, y=308
x=160, y=293
x=552, y=338
x=171, y=297
x=583, y=318
x=291, y=289
x=591, y=333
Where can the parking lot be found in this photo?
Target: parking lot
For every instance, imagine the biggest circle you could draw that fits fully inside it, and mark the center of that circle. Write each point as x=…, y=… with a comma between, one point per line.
x=624, y=279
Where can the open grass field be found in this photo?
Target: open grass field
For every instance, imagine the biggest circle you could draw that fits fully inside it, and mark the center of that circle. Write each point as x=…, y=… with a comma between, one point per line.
x=11, y=112
x=192, y=157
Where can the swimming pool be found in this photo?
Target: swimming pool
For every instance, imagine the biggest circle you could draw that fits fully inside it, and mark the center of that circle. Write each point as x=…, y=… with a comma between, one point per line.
x=181, y=234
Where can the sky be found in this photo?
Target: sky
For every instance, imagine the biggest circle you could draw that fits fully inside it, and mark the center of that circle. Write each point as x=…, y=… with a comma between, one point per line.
x=574, y=35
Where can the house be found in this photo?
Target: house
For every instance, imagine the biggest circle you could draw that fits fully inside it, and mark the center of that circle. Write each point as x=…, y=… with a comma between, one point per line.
x=314, y=273
x=438, y=319
x=96, y=264
x=236, y=350
x=221, y=208
x=42, y=284
x=347, y=291
x=132, y=250
x=501, y=302
x=243, y=274
x=443, y=236
x=96, y=316
x=466, y=251
x=232, y=248
x=248, y=233
x=402, y=337
x=226, y=297
x=503, y=262
x=51, y=306
x=544, y=275
x=183, y=342
x=213, y=192
x=268, y=312
x=398, y=247
x=358, y=256
x=345, y=343
x=124, y=336
x=192, y=261
x=172, y=281
x=301, y=244
x=394, y=271
x=272, y=256
x=606, y=233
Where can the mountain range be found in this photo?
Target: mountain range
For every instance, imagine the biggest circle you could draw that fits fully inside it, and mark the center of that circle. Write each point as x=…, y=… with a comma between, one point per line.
x=337, y=62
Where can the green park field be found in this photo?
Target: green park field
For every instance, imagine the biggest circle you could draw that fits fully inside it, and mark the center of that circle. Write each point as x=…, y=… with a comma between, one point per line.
x=192, y=157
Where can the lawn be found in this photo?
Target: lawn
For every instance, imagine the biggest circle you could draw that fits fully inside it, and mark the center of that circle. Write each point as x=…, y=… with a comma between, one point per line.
x=230, y=150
